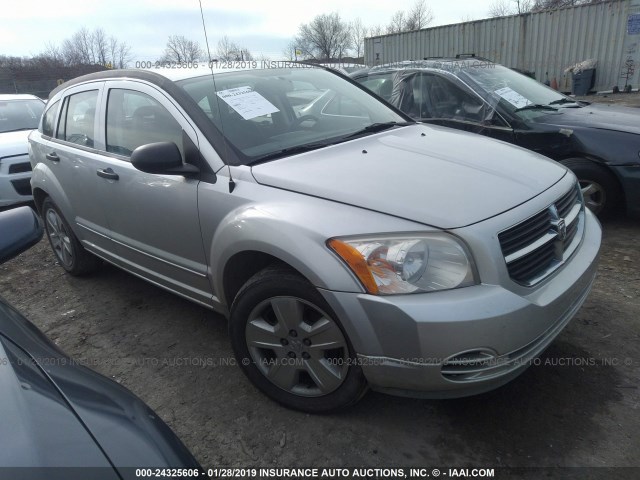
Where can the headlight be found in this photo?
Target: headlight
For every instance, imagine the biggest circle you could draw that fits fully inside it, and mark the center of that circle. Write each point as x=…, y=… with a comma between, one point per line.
x=392, y=265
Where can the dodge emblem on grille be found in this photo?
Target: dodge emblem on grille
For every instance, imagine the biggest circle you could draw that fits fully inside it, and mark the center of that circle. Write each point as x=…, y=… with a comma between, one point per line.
x=561, y=228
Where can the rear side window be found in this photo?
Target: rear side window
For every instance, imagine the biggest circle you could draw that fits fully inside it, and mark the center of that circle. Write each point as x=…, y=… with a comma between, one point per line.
x=78, y=118
x=135, y=119
x=49, y=119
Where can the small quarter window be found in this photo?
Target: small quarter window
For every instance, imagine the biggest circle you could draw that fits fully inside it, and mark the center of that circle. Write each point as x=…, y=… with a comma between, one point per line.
x=49, y=119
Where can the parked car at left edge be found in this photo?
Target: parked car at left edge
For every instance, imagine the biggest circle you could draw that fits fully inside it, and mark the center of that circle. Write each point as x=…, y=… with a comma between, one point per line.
x=19, y=114
x=60, y=418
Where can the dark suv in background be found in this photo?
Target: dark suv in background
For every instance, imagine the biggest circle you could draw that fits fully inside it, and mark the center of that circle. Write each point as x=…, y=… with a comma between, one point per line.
x=600, y=143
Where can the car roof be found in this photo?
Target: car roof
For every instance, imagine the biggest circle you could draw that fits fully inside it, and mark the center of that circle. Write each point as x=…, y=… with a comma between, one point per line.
x=17, y=96
x=162, y=76
x=434, y=63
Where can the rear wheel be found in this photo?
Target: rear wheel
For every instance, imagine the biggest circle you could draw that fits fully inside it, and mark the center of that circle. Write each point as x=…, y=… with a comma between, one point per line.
x=70, y=253
x=290, y=345
x=599, y=187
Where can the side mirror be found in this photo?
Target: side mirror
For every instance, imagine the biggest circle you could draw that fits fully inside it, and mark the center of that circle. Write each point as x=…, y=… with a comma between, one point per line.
x=21, y=229
x=161, y=157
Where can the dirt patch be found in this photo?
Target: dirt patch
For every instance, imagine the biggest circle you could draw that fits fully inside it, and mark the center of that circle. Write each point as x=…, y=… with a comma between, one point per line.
x=578, y=407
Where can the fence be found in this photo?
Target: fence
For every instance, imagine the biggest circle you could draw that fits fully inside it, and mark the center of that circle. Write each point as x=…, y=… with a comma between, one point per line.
x=539, y=42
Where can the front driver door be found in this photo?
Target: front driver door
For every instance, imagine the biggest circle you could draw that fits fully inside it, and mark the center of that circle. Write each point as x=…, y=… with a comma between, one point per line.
x=153, y=219
x=445, y=102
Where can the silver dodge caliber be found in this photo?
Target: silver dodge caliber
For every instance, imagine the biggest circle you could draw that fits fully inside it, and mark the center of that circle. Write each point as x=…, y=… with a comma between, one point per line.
x=348, y=246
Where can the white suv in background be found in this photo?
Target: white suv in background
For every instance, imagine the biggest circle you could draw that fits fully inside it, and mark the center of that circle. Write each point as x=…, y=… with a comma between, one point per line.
x=19, y=114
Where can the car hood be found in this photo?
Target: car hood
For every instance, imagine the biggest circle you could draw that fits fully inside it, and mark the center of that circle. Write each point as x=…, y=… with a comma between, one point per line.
x=433, y=175
x=608, y=117
x=14, y=143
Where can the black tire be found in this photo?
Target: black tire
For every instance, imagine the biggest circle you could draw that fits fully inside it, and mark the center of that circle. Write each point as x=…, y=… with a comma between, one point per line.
x=70, y=254
x=253, y=314
x=600, y=188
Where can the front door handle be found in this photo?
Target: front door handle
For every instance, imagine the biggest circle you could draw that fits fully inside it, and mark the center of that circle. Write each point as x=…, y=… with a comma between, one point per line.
x=53, y=156
x=108, y=173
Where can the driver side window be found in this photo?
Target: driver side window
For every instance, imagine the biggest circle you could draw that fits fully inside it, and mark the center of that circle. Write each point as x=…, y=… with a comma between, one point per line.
x=443, y=99
x=135, y=119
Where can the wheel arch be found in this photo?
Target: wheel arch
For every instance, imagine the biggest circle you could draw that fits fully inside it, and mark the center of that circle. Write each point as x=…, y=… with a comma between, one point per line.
x=242, y=266
x=601, y=162
x=38, y=198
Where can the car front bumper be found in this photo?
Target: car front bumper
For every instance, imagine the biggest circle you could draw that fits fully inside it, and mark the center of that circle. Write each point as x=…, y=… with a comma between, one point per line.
x=462, y=342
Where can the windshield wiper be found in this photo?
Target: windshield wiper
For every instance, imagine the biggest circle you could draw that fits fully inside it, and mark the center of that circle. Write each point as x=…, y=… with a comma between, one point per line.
x=562, y=101
x=290, y=151
x=536, y=106
x=377, y=127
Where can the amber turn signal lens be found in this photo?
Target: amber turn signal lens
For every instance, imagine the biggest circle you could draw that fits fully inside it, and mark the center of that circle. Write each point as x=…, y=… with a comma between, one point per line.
x=356, y=262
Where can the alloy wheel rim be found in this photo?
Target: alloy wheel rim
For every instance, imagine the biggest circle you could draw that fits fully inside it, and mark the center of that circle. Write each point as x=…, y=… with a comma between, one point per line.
x=297, y=346
x=60, y=239
x=594, y=195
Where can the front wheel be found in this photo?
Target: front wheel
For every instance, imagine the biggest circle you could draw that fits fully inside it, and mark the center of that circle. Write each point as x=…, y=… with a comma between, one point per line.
x=599, y=187
x=290, y=345
x=67, y=248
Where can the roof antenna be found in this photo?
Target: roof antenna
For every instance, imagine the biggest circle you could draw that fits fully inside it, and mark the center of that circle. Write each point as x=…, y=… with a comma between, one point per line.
x=232, y=184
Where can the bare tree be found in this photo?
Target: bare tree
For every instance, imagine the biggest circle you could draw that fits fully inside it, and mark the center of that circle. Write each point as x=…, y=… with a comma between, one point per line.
x=52, y=56
x=85, y=47
x=100, y=46
x=376, y=31
x=325, y=37
x=114, y=47
x=396, y=25
x=231, y=51
x=502, y=8
x=124, y=55
x=290, y=51
x=180, y=49
x=420, y=16
x=358, y=33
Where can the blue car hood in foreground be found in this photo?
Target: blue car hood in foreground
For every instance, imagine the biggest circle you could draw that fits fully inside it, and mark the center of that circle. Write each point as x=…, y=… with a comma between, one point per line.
x=433, y=175
x=58, y=414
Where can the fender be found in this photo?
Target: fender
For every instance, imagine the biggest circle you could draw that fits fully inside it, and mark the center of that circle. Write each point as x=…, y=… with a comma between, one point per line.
x=278, y=230
x=43, y=179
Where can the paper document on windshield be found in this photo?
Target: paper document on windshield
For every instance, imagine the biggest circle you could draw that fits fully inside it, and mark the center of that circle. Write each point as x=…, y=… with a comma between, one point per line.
x=513, y=97
x=247, y=102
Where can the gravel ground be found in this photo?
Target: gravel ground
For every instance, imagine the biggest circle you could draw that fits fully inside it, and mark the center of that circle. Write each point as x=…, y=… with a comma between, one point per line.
x=579, y=407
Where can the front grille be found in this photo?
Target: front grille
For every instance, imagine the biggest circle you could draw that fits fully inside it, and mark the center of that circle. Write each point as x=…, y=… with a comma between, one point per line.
x=536, y=247
x=20, y=167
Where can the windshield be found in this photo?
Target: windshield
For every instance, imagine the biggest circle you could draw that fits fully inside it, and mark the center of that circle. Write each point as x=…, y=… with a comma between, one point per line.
x=511, y=89
x=20, y=114
x=268, y=113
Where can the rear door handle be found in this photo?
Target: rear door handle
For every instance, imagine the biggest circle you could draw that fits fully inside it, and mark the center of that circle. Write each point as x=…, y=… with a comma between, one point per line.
x=108, y=173
x=53, y=156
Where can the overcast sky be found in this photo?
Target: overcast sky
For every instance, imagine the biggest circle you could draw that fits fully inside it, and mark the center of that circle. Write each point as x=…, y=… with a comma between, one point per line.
x=261, y=26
